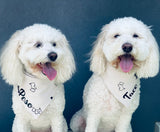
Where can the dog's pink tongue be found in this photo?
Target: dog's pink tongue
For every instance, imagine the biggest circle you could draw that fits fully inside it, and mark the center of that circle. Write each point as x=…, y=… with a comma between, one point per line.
x=49, y=71
x=126, y=63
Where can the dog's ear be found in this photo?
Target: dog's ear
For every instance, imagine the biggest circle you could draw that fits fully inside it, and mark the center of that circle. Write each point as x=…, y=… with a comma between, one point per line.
x=66, y=66
x=11, y=67
x=150, y=67
x=98, y=60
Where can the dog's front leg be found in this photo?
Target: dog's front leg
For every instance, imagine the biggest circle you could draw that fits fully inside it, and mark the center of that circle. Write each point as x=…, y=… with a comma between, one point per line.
x=124, y=123
x=58, y=124
x=92, y=122
x=20, y=125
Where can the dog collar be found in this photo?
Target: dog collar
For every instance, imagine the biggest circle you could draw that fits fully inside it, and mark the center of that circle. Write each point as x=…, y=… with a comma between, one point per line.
x=35, y=94
x=123, y=86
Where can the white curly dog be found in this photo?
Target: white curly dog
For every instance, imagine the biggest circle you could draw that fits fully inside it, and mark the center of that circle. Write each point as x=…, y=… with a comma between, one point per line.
x=124, y=52
x=37, y=61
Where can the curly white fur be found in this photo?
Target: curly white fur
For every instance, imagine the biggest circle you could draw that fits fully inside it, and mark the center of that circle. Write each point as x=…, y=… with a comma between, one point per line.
x=101, y=111
x=20, y=55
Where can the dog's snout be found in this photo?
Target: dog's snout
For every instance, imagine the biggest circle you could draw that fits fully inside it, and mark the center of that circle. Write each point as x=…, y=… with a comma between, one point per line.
x=127, y=47
x=52, y=56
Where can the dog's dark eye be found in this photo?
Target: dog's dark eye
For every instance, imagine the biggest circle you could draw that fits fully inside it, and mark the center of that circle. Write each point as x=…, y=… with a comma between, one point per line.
x=54, y=44
x=38, y=45
x=116, y=36
x=135, y=36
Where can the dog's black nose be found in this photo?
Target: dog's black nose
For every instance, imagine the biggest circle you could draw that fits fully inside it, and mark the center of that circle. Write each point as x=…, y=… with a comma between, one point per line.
x=127, y=47
x=52, y=56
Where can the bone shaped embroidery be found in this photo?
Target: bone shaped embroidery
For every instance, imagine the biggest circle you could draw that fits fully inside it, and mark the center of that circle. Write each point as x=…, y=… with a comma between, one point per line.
x=121, y=86
x=33, y=86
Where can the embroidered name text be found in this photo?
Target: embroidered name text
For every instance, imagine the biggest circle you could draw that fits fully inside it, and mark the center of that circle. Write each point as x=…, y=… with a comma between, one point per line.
x=129, y=95
x=22, y=93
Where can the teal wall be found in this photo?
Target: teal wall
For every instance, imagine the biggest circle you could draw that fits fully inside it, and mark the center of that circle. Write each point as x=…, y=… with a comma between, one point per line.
x=81, y=21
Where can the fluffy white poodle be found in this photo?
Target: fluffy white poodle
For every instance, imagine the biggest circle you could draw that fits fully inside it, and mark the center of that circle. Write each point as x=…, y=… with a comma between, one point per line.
x=37, y=61
x=124, y=52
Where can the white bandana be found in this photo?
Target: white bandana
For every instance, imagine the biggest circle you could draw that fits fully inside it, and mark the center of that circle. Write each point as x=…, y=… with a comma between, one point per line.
x=123, y=86
x=36, y=94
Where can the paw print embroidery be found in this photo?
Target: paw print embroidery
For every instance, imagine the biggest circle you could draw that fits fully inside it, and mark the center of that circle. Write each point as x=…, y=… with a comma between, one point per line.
x=121, y=86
